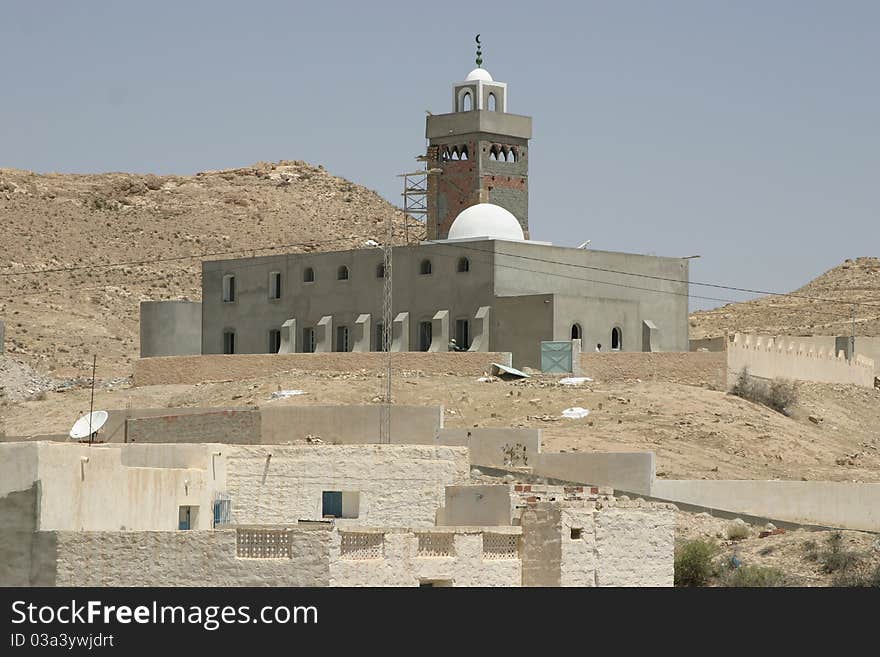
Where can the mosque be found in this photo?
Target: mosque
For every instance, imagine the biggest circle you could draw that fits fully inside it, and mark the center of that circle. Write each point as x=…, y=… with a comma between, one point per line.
x=477, y=279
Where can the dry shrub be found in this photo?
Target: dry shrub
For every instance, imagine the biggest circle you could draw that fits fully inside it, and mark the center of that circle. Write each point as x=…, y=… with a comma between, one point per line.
x=778, y=394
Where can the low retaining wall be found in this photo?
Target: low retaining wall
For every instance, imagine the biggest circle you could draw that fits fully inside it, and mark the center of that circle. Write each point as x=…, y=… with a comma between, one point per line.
x=221, y=426
x=496, y=447
x=629, y=471
x=350, y=425
x=769, y=358
x=829, y=503
x=196, y=369
x=696, y=368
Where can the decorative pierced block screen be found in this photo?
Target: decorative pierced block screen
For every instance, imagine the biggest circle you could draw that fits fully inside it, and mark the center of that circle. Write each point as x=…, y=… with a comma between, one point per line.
x=436, y=545
x=362, y=546
x=262, y=544
x=500, y=546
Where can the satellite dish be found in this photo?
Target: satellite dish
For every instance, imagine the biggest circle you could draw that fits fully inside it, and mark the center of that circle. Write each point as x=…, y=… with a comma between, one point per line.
x=88, y=424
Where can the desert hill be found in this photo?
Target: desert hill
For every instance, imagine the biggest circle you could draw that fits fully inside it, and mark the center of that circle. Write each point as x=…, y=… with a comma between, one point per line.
x=854, y=281
x=56, y=320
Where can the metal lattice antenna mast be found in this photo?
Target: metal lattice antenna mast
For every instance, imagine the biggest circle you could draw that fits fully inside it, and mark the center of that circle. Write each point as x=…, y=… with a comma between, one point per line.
x=387, y=332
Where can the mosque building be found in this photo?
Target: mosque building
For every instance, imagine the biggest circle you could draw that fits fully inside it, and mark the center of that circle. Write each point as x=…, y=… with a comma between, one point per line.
x=477, y=279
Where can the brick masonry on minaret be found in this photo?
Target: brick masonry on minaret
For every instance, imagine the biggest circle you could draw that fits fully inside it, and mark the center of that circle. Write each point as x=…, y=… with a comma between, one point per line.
x=479, y=156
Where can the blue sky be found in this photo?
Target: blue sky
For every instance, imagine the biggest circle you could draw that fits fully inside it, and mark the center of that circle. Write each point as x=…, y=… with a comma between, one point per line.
x=746, y=132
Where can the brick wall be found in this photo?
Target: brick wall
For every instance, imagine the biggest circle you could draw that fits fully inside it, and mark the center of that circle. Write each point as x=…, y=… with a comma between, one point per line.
x=695, y=368
x=195, y=369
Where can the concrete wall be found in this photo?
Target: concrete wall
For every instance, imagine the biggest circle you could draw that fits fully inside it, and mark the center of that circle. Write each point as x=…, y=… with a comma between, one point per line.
x=499, y=447
x=769, y=358
x=629, y=471
x=253, y=314
x=523, y=268
x=196, y=369
x=718, y=343
x=350, y=425
x=694, y=368
x=399, y=563
x=484, y=506
x=170, y=328
x=224, y=426
x=112, y=487
x=521, y=323
x=193, y=558
x=399, y=485
x=830, y=503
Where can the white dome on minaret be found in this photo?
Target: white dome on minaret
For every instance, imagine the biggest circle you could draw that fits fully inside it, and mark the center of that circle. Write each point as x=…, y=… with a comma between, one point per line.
x=486, y=220
x=479, y=74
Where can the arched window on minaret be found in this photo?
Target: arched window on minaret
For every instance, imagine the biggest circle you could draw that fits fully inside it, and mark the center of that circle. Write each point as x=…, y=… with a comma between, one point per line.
x=493, y=104
x=467, y=102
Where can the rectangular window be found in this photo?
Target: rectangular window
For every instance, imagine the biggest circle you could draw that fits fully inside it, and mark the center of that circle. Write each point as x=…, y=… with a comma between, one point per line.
x=380, y=337
x=275, y=285
x=229, y=342
x=340, y=504
x=187, y=517
x=463, y=333
x=308, y=340
x=425, y=331
x=341, y=338
x=274, y=341
x=228, y=288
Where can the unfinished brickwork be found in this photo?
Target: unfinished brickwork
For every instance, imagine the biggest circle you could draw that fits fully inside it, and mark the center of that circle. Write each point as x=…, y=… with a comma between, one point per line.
x=197, y=369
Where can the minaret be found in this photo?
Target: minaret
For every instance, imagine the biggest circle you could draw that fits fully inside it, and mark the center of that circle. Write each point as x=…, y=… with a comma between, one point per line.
x=481, y=150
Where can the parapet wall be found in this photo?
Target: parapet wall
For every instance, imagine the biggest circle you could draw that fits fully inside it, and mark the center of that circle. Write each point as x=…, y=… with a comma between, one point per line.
x=696, y=368
x=196, y=369
x=769, y=358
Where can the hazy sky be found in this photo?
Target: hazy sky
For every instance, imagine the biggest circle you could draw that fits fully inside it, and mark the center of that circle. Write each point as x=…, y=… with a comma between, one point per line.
x=747, y=132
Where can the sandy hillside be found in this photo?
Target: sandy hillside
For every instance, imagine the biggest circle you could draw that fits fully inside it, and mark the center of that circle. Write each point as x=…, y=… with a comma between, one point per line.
x=55, y=321
x=695, y=432
x=854, y=281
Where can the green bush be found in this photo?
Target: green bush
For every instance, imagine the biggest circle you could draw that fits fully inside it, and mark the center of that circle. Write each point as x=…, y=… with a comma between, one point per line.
x=754, y=576
x=693, y=562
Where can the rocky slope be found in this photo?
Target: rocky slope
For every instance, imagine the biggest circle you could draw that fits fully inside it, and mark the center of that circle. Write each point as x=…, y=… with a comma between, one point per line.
x=69, y=228
x=828, y=311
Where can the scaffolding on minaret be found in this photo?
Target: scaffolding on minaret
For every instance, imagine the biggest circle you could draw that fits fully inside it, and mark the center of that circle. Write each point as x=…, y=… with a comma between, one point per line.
x=415, y=199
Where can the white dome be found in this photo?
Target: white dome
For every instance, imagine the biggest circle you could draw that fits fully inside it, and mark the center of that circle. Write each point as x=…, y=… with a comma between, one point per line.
x=485, y=220
x=479, y=74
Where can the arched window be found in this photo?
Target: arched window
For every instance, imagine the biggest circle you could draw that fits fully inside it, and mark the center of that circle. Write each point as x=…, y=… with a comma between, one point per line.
x=576, y=333
x=229, y=288
x=308, y=275
x=616, y=339
x=464, y=265
x=464, y=152
x=492, y=155
x=467, y=102
x=342, y=273
x=380, y=270
x=512, y=155
x=425, y=267
x=492, y=103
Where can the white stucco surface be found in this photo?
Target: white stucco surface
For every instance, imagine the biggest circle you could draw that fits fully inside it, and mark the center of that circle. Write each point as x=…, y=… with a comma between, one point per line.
x=399, y=485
